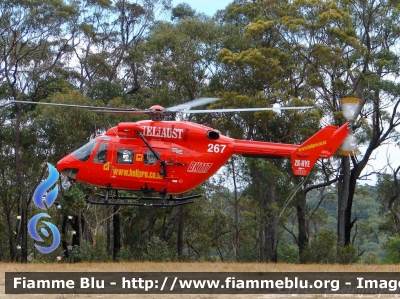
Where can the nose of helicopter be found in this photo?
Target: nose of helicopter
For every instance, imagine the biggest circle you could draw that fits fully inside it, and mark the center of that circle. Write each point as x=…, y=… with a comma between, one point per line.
x=67, y=166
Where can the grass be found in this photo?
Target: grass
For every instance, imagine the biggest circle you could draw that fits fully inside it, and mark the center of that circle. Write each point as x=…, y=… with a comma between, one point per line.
x=193, y=267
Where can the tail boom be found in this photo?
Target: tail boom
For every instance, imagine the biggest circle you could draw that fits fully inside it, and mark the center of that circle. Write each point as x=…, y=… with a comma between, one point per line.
x=322, y=144
x=263, y=149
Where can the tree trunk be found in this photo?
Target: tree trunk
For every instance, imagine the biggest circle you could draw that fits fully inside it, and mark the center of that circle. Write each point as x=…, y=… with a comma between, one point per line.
x=261, y=232
x=167, y=231
x=303, y=237
x=80, y=228
x=269, y=225
x=180, y=232
x=23, y=233
x=237, y=212
x=349, y=222
x=343, y=197
x=271, y=231
x=63, y=234
x=11, y=234
x=108, y=230
x=117, y=233
x=76, y=238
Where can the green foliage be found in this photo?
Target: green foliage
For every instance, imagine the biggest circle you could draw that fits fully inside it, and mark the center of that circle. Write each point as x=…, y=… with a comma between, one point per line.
x=99, y=253
x=88, y=253
x=322, y=249
x=182, y=53
x=392, y=248
x=181, y=11
x=106, y=91
x=125, y=255
x=157, y=251
x=389, y=195
x=248, y=252
x=53, y=124
x=287, y=253
x=371, y=258
x=73, y=199
x=75, y=255
x=38, y=257
x=347, y=254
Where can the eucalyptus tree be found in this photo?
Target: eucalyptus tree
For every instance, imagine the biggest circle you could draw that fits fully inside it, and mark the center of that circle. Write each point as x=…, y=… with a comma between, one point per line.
x=350, y=49
x=181, y=58
x=234, y=233
x=262, y=69
x=377, y=26
x=106, y=58
x=317, y=34
x=32, y=42
x=103, y=62
x=389, y=195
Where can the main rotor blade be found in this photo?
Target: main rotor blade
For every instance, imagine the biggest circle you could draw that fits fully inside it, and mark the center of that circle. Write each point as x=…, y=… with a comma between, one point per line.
x=246, y=109
x=123, y=111
x=179, y=108
x=194, y=103
x=59, y=104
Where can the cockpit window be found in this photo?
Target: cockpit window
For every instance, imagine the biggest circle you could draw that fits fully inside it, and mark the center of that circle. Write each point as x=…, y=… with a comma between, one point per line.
x=83, y=153
x=101, y=156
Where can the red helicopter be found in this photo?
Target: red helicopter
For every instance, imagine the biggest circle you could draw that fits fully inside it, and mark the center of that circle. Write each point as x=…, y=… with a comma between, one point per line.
x=173, y=157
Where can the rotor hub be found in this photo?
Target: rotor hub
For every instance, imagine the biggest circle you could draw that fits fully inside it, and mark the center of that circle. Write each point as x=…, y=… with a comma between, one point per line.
x=157, y=108
x=157, y=112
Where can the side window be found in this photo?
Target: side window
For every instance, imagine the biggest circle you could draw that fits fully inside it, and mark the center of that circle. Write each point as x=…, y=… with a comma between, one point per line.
x=101, y=155
x=149, y=158
x=125, y=156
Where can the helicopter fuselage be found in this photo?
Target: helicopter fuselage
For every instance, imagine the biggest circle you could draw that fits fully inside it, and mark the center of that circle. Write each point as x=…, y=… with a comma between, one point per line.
x=175, y=156
x=188, y=154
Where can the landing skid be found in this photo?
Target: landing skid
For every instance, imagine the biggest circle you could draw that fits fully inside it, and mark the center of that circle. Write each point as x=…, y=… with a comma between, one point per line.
x=140, y=204
x=163, y=200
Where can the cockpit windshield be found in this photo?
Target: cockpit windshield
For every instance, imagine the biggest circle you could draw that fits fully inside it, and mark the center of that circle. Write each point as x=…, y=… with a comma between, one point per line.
x=83, y=153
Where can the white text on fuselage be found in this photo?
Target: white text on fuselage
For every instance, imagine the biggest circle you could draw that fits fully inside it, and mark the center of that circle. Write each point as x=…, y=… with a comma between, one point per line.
x=199, y=167
x=302, y=163
x=162, y=132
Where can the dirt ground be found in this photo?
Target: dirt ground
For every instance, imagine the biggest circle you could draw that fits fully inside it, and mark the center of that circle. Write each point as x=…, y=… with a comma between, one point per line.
x=188, y=267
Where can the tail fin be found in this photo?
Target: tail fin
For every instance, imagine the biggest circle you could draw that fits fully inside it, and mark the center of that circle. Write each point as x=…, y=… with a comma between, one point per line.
x=322, y=144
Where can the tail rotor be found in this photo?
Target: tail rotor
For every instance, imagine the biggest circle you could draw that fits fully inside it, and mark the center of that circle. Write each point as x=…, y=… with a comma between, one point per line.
x=351, y=108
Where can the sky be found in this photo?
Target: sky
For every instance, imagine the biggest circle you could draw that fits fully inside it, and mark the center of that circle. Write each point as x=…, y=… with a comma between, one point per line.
x=209, y=7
